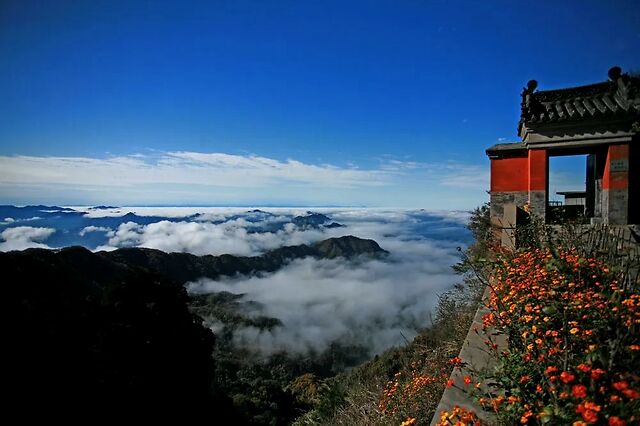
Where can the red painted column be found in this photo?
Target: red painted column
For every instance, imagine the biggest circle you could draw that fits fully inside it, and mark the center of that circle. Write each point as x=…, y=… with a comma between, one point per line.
x=615, y=186
x=509, y=190
x=538, y=182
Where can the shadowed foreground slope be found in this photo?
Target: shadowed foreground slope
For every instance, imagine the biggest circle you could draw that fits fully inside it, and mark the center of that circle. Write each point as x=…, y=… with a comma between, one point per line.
x=88, y=333
x=112, y=330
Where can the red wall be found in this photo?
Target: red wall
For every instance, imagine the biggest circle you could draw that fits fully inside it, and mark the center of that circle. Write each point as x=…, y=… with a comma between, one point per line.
x=616, y=180
x=509, y=174
x=537, y=170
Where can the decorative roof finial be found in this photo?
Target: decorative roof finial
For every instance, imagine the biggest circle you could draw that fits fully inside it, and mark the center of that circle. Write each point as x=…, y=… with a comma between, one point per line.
x=531, y=86
x=615, y=73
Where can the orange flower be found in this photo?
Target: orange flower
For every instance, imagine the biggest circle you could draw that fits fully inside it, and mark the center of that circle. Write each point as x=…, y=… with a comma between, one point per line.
x=584, y=368
x=588, y=411
x=408, y=422
x=622, y=385
x=616, y=421
x=590, y=416
x=550, y=369
x=579, y=391
x=567, y=377
x=596, y=373
x=467, y=380
x=525, y=417
x=631, y=393
x=592, y=406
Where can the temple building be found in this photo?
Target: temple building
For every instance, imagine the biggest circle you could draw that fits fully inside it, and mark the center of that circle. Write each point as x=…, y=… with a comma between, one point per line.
x=600, y=121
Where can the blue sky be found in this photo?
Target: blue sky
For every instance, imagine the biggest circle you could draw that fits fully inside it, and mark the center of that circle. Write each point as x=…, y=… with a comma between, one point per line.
x=376, y=103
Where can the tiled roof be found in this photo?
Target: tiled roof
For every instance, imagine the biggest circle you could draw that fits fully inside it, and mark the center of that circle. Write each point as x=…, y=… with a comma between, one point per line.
x=506, y=149
x=618, y=97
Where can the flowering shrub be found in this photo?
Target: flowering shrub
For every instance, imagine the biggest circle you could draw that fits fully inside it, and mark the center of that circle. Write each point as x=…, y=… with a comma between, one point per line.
x=404, y=396
x=573, y=353
x=458, y=416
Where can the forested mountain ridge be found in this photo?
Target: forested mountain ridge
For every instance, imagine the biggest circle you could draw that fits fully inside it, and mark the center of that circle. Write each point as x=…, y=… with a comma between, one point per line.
x=184, y=267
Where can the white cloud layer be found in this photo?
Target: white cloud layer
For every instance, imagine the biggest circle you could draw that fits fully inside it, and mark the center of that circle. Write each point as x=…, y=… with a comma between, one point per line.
x=201, y=236
x=373, y=303
x=23, y=237
x=224, y=179
x=214, y=169
x=84, y=231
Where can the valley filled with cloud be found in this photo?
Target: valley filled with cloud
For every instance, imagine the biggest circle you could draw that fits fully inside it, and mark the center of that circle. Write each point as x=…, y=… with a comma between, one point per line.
x=372, y=303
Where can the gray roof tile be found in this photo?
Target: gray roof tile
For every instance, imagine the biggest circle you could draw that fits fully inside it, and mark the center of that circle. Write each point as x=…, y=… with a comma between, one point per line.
x=620, y=97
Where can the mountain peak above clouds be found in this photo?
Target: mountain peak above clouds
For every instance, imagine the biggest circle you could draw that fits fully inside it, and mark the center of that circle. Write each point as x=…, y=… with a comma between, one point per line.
x=349, y=247
x=314, y=220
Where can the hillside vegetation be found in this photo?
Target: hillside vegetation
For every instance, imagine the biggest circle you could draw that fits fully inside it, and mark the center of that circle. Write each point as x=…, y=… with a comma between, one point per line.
x=404, y=385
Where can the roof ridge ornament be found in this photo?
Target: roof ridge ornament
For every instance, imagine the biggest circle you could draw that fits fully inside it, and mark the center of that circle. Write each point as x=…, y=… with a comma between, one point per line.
x=529, y=106
x=615, y=73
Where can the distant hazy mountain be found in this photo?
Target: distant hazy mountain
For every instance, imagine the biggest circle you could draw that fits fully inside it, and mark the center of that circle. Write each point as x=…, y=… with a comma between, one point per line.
x=311, y=220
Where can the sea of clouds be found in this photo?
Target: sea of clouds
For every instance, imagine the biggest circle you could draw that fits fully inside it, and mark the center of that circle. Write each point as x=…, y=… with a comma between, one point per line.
x=376, y=303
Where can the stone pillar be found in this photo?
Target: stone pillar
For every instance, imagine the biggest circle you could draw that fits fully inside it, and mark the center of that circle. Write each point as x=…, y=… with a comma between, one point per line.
x=509, y=223
x=615, y=186
x=538, y=182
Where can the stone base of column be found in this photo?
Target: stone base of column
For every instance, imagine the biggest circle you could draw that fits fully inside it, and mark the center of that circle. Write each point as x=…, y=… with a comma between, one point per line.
x=615, y=206
x=499, y=199
x=538, y=204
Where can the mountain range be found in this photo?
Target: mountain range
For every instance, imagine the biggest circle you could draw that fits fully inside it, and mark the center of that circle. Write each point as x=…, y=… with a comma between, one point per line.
x=183, y=267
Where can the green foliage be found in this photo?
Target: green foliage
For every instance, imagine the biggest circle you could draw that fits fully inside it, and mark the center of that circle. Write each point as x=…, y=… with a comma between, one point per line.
x=480, y=227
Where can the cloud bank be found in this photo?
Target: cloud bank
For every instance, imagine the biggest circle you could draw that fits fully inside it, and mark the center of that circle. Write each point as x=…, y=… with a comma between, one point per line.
x=24, y=237
x=374, y=303
x=223, y=179
x=209, y=169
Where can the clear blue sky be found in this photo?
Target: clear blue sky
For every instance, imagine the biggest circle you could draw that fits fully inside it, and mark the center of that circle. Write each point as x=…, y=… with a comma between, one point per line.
x=406, y=93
